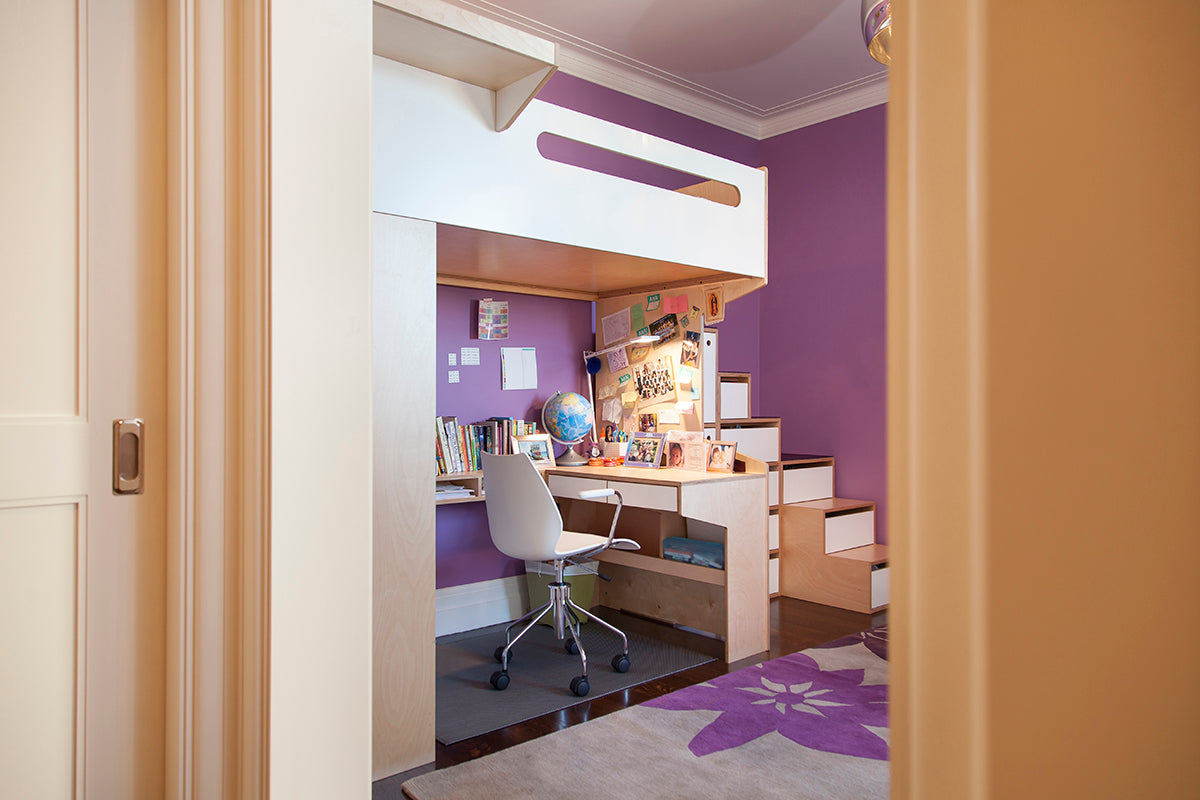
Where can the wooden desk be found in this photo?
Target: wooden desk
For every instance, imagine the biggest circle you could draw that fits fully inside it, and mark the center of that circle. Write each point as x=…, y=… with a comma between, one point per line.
x=732, y=508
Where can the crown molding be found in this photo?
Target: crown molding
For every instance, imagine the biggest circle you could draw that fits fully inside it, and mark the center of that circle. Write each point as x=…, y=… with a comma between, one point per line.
x=590, y=62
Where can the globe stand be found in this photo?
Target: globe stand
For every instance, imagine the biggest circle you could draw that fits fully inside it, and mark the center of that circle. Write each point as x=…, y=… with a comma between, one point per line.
x=571, y=459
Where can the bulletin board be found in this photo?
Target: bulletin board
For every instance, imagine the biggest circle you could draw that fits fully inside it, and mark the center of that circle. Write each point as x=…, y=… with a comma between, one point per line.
x=654, y=387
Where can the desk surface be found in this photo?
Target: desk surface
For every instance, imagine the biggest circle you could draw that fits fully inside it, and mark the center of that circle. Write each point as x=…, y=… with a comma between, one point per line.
x=663, y=476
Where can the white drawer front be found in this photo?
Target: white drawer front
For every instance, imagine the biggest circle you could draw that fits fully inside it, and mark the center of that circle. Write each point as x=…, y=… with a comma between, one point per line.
x=735, y=400
x=773, y=575
x=773, y=531
x=801, y=484
x=760, y=443
x=880, y=587
x=847, y=531
x=562, y=486
x=644, y=495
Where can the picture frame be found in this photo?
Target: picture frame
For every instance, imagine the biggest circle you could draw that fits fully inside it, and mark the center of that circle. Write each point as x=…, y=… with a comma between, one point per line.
x=645, y=450
x=721, y=456
x=648, y=422
x=695, y=456
x=537, y=446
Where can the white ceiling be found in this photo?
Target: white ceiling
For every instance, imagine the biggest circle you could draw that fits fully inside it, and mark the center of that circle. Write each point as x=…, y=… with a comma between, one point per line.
x=758, y=67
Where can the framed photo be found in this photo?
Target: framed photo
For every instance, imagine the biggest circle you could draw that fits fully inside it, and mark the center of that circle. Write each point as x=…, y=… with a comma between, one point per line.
x=648, y=422
x=721, y=456
x=645, y=450
x=673, y=454
x=537, y=446
x=695, y=456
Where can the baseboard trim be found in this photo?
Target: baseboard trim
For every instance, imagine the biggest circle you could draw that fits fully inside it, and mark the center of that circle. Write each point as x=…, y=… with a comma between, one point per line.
x=477, y=605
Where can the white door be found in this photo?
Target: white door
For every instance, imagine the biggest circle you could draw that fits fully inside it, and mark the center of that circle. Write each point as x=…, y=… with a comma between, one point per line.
x=82, y=322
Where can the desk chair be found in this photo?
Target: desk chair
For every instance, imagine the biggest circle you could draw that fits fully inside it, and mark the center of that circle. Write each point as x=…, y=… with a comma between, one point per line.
x=525, y=524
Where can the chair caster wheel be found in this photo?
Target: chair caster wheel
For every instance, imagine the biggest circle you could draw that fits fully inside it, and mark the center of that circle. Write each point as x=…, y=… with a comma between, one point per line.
x=620, y=662
x=579, y=686
x=571, y=646
x=499, y=655
x=500, y=680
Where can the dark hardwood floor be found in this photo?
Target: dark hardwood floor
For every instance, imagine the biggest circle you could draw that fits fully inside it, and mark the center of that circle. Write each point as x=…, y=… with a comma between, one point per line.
x=795, y=625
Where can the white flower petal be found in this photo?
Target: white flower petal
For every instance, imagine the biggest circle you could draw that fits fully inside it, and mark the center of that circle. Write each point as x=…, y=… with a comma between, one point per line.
x=800, y=688
x=807, y=709
x=775, y=687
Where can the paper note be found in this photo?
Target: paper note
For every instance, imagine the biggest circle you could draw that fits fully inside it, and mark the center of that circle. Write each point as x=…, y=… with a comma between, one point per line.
x=518, y=368
x=684, y=376
x=617, y=360
x=470, y=356
x=606, y=391
x=676, y=305
x=453, y=376
x=653, y=301
x=454, y=359
x=668, y=416
x=611, y=410
x=624, y=379
x=615, y=327
x=493, y=319
x=685, y=406
x=637, y=317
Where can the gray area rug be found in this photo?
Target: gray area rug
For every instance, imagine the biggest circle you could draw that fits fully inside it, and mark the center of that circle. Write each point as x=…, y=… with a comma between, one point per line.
x=541, y=672
x=809, y=726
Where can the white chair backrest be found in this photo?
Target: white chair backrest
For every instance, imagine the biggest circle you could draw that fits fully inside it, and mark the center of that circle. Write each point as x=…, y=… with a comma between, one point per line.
x=522, y=515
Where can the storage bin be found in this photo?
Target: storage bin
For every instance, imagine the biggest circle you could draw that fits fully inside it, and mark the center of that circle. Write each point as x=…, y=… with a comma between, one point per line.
x=540, y=574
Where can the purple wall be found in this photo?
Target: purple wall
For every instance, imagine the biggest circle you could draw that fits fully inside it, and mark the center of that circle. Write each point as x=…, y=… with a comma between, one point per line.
x=560, y=330
x=822, y=316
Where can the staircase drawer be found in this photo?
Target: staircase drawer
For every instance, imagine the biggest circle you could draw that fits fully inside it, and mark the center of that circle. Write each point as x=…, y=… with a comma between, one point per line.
x=761, y=443
x=880, y=586
x=847, y=531
x=801, y=483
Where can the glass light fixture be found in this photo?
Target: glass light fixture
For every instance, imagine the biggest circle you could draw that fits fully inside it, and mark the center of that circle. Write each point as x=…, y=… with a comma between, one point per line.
x=877, y=29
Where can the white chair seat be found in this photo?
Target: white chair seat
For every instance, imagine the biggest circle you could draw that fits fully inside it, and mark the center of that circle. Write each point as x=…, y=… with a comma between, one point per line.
x=571, y=544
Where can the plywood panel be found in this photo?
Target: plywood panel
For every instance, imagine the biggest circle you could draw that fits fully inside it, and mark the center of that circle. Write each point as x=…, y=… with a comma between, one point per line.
x=38, y=657
x=404, y=294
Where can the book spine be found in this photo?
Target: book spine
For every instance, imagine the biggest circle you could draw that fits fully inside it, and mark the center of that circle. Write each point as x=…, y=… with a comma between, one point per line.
x=443, y=447
x=452, y=440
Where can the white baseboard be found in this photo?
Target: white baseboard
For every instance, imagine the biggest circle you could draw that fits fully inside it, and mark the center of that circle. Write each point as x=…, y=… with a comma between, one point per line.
x=477, y=605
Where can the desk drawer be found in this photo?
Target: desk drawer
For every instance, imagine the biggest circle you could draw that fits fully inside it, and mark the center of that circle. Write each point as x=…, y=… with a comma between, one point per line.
x=563, y=486
x=645, y=495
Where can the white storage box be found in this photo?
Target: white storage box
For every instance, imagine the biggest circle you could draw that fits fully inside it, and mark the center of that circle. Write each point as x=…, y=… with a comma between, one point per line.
x=847, y=531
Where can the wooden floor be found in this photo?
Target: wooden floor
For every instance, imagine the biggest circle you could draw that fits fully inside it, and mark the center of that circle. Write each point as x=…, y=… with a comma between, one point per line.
x=795, y=625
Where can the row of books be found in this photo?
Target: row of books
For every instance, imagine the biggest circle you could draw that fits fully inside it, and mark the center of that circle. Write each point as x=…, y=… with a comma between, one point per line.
x=459, y=446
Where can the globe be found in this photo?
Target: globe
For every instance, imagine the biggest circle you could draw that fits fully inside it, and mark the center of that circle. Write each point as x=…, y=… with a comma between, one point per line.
x=567, y=417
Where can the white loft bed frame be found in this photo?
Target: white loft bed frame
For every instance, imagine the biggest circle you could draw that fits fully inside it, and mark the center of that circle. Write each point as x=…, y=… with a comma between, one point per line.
x=510, y=218
x=455, y=144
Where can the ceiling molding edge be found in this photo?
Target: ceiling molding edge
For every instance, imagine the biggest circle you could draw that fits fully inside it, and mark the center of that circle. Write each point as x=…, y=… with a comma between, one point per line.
x=585, y=60
x=646, y=86
x=829, y=106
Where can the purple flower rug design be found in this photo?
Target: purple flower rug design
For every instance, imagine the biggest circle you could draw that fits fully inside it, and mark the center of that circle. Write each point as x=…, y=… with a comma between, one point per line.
x=820, y=707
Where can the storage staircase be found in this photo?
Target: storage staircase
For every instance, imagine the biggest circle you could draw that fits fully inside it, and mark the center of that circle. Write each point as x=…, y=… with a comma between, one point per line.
x=822, y=548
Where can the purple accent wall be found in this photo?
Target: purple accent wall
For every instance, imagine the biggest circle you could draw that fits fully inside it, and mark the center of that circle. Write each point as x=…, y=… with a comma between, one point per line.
x=560, y=330
x=822, y=315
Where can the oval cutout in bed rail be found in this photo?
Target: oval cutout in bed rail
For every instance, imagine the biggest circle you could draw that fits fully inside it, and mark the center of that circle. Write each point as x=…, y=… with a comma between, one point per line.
x=621, y=165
